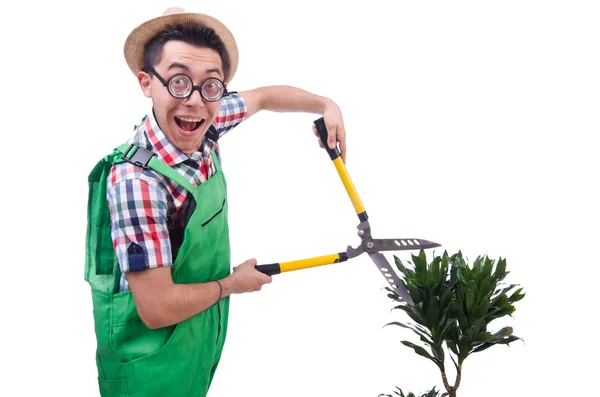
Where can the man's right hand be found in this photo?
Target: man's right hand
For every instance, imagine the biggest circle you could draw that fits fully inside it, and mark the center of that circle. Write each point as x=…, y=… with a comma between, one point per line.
x=160, y=302
x=245, y=278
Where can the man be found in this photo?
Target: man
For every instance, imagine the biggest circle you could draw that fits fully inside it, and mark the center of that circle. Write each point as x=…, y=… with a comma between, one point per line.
x=158, y=255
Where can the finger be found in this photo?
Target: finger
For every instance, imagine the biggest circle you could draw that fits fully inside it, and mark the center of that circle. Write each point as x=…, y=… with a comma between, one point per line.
x=331, y=136
x=320, y=144
x=343, y=144
x=267, y=279
x=315, y=130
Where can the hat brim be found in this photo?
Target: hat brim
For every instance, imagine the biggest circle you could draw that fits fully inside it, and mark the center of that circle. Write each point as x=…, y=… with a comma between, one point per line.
x=140, y=36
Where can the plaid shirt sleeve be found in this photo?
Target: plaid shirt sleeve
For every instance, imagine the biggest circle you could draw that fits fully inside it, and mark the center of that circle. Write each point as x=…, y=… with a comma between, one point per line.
x=232, y=112
x=139, y=224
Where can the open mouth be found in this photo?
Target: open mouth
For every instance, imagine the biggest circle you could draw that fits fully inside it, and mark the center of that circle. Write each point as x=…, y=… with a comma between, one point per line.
x=189, y=124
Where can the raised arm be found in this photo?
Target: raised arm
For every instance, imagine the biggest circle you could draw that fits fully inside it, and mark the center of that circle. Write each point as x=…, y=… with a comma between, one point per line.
x=283, y=98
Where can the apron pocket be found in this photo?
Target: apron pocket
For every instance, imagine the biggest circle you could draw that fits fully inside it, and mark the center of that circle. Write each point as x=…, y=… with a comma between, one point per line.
x=182, y=367
x=206, y=222
x=113, y=387
x=135, y=340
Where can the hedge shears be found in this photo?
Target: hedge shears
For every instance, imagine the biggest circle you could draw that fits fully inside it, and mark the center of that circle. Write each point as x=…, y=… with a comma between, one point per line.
x=368, y=244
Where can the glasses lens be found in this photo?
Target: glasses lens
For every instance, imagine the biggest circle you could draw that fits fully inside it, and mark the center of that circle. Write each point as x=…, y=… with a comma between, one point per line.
x=180, y=86
x=212, y=89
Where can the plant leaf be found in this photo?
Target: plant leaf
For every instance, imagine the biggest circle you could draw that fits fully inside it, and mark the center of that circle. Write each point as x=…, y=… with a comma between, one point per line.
x=421, y=352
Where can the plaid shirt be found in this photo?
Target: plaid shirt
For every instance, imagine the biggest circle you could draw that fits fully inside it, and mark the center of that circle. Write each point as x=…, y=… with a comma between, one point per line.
x=148, y=211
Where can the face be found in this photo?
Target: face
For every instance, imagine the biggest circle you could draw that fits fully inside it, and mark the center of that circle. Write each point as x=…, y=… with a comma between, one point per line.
x=184, y=121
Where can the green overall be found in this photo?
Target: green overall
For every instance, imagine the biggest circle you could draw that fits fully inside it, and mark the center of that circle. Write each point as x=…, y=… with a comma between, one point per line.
x=179, y=360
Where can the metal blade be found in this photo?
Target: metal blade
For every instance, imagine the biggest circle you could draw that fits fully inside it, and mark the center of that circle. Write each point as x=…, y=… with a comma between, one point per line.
x=400, y=244
x=389, y=244
x=391, y=277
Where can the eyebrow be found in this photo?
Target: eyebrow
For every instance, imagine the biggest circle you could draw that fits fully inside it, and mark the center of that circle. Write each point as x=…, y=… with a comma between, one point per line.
x=178, y=65
x=175, y=65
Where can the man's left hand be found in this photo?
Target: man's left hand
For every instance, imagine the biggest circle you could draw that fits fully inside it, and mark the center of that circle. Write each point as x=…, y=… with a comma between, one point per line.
x=332, y=116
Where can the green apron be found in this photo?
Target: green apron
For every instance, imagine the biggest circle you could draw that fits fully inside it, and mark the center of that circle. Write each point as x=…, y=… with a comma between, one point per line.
x=179, y=360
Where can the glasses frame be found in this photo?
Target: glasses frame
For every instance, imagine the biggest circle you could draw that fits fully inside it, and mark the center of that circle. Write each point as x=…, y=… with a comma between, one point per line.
x=166, y=83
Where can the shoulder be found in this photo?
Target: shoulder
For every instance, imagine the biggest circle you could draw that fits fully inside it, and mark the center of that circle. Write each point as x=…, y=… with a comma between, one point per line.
x=232, y=112
x=127, y=172
x=233, y=100
x=233, y=107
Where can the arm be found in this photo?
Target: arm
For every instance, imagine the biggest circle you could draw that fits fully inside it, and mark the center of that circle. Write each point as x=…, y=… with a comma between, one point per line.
x=160, y=302
x=291, y=99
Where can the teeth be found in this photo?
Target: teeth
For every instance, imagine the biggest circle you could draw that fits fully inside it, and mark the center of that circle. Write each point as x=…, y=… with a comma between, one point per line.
x=189, y=119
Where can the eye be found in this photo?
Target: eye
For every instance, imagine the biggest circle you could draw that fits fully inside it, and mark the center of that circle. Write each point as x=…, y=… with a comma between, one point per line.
x=180, y=85
x=179, y=81
x=213, y=87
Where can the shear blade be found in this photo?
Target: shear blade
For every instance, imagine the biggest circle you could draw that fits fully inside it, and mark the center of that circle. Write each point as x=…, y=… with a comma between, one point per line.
x=391, y=277
x=401, y=244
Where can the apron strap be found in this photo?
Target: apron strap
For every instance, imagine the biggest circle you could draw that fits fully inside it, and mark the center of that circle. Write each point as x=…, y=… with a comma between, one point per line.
x=147, y=160
x=215, y=159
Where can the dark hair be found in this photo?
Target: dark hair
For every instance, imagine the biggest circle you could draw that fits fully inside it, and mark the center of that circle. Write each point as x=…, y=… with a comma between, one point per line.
x=192, y=34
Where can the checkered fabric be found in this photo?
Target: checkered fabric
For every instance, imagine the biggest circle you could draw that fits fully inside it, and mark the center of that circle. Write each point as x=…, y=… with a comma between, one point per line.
x=149, y=211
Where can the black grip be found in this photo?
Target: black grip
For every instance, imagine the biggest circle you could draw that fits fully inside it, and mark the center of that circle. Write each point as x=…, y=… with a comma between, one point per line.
x=322, y=131
x=270, y=269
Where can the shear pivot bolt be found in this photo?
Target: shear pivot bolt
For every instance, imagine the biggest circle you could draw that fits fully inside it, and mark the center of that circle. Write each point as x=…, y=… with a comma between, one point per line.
x=370, y=244
x=361, y=232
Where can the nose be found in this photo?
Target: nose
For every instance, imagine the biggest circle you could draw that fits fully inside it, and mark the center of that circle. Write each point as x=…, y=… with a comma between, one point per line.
x=195, y=99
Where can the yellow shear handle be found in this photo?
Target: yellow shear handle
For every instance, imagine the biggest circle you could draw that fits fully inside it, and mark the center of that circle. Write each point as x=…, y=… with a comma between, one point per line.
x=276, y=268
x=309, y=262
x=343, y=172
x=334, y=154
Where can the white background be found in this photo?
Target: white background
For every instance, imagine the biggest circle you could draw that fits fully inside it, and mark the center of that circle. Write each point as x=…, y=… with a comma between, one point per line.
x=473, y=124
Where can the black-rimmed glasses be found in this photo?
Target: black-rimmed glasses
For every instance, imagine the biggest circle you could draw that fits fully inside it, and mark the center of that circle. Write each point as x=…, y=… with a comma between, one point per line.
x=181, y=86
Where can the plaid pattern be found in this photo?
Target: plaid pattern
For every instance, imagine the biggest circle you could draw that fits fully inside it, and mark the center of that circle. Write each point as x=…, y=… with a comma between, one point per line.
x=149, y=211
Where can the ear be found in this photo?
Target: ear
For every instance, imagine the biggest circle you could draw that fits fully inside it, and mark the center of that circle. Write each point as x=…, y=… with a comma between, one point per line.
x=145, y=81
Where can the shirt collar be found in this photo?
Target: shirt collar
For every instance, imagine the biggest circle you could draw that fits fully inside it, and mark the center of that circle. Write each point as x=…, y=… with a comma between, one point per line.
x=166, y=151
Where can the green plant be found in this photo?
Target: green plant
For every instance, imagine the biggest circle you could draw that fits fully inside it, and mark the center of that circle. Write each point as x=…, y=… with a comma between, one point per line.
x=454, y=305
x=430, y=393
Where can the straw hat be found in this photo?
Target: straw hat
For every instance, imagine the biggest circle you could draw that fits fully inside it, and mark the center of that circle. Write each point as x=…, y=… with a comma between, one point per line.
x=140, y=36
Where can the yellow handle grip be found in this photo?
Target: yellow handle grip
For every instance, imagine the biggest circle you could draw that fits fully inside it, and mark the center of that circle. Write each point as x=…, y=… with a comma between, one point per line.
x=312, y=262
x=350, y=189
x=276, y=268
